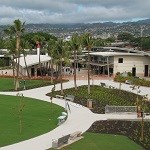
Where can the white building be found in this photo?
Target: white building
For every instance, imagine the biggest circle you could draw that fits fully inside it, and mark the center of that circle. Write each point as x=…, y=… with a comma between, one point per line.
x=128, y=60
x=32, y=62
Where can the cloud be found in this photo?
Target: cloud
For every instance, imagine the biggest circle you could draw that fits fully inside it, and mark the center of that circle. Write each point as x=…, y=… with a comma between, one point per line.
x=72, y=11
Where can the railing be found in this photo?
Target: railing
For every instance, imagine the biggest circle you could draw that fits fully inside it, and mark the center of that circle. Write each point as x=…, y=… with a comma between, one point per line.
x=120, y=109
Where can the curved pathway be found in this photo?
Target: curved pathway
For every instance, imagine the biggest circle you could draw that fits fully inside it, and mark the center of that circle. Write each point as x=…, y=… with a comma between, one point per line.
x=79, y=118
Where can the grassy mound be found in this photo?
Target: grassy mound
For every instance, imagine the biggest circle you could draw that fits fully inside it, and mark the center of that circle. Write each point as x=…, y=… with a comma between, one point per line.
x=38, y=117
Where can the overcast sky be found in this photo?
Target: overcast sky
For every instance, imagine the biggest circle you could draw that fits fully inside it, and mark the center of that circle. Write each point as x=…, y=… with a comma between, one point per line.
x=73, y=11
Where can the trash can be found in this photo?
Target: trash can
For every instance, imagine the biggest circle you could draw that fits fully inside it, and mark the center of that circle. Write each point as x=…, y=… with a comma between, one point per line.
x=90, y=103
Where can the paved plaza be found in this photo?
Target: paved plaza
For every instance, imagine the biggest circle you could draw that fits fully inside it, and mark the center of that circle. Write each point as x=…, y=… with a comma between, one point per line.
x=79, y=118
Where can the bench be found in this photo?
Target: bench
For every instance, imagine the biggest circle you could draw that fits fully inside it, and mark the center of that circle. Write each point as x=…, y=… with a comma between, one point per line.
x=75, y=135
x=111, y=87
x=70, y=97
x=102, y=84
x=61, y=141
x=128, y=82
x=59, y=96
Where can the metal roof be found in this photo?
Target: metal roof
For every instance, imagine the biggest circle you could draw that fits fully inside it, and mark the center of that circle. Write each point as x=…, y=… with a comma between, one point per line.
x=116, y=54
x=33, y=60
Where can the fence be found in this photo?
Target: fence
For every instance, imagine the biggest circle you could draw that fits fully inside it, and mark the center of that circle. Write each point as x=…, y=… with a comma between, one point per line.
x=120, y=109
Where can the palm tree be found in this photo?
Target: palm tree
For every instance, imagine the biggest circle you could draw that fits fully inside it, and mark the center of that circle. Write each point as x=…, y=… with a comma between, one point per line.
x=62, y=55
x=75, y=44
x=11, y=46
x=51, y=49
x=17, y=29
x=25, y=44
x=38, y=40
x=87, y=43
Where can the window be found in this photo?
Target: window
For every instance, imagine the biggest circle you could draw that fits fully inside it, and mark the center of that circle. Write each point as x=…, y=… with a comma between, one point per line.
x=120, y=60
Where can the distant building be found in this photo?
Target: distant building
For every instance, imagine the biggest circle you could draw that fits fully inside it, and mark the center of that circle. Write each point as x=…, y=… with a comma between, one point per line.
x=115, y=59
x=32, y=62
x=4, y=58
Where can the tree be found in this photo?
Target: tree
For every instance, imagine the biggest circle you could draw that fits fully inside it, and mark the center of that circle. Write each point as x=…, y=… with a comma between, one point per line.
x=87, y=43
x=39, y=40
x=51, y=50
x=25, y=44
x=11, y=46
x=61, y=54
x=74, y=45
x=125, y=36
x=17, y=29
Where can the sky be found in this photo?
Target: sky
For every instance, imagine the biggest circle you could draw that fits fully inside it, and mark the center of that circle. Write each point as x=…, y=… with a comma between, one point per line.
x=73, y=11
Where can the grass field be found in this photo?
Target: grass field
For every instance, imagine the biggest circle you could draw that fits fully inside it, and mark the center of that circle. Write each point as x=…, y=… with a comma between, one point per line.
x=95, y=141
x=38, y=118
x=7, y=84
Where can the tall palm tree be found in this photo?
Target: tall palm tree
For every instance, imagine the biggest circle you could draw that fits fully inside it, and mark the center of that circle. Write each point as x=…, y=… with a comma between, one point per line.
x=39, y=40
x=61, y=53
x=11, y=46
x=51, y=49
x=75, y=44
x=87, y=42
x=17, y=29
x=25, y=44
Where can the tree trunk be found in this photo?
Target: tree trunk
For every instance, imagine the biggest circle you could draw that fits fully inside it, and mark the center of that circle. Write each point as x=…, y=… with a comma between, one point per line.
x=26, y=64
x=13, y=64
x=88, y=71
x=40, y=65
x=52, y=72
x=74, y=73
x=62, y=92
x=18, y=63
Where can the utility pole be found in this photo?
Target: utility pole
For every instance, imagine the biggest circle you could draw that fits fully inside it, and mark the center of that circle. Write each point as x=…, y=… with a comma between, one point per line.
x=142, y=29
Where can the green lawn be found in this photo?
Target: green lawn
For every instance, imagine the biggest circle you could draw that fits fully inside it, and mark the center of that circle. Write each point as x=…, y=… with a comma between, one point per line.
x=7, y=84
x=95, y=141
x=39, y=117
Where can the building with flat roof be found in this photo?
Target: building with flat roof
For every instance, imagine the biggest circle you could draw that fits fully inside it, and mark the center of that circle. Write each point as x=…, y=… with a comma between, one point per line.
x=111, y=60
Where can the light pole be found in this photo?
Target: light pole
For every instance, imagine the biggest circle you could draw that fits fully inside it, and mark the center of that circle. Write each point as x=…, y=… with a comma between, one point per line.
x=142, y=29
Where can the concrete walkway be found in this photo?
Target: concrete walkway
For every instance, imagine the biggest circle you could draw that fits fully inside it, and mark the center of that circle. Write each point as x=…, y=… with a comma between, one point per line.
x=79, y=119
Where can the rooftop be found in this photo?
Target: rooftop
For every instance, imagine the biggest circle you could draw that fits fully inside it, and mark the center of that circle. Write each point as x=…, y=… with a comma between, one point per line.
x=115, y=54
x=33, y=60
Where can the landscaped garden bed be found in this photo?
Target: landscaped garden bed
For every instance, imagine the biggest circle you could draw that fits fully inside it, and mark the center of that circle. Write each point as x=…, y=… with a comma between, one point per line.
x=103, y=96
x=131, y=129
x=133, y=80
